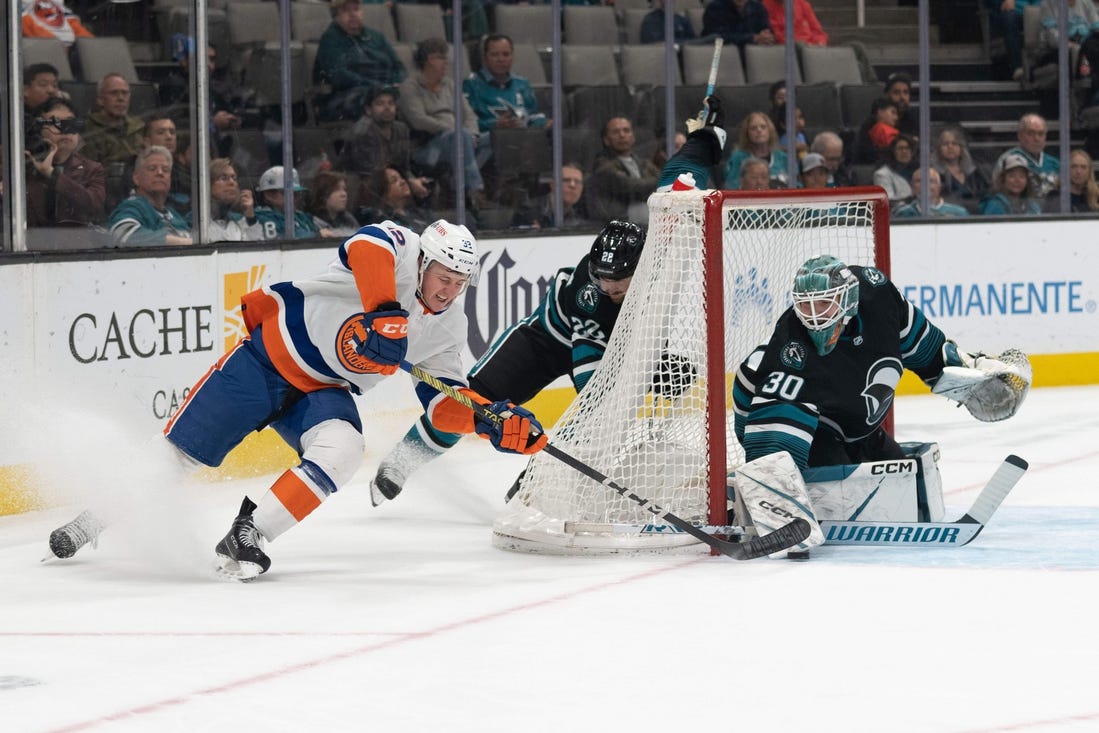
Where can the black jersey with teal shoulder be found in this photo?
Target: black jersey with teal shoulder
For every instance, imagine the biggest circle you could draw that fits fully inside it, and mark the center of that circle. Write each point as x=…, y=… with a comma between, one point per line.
x=572, y=325
x=787, y=397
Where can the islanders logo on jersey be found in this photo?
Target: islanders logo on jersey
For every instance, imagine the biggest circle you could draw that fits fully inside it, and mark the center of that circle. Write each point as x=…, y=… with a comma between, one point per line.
x=587, y=298
x=874, y=277
x=349, y=338
x=881, y=385
x=793, y=355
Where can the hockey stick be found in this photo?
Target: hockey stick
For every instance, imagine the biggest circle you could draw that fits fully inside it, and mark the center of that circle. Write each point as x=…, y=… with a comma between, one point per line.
x=712, y=81
x=781, y=539
x=933, y=534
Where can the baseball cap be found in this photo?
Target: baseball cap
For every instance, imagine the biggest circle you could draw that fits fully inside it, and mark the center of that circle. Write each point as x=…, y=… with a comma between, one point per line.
x=811, y=161
x=1012, y=160
x=271, y=180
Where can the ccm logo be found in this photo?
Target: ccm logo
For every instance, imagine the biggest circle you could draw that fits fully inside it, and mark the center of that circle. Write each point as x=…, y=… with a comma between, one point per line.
x=393, y=329
x=893, y=467
x=775, y=509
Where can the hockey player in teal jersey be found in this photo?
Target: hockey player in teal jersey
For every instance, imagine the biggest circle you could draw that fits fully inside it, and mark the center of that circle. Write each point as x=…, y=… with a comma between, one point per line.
x=821, y=387
x=817, y=395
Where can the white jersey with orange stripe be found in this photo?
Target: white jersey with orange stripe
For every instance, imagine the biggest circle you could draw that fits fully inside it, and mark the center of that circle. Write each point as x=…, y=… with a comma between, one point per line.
x=312, y=342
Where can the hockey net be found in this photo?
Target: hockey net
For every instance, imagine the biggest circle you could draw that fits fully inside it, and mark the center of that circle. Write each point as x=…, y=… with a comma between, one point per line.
x=657, y=416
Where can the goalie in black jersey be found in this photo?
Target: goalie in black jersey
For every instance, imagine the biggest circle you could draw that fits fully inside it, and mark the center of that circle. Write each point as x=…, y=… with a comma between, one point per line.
x=818, y=392
x=565, y=335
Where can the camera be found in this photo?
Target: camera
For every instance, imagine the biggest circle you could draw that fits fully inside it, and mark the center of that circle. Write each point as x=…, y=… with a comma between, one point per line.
x=40, y=148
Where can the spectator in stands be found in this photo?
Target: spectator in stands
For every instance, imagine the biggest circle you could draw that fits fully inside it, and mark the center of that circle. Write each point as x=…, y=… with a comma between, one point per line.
x=829, y=146
x=270, y=212
x=427, y=105
x=652, y=25
x=378, y=138
x=1045, y=169
x=814, y=172
x=52, y=19
x=878, y=131
x=778, y=119
x=328, y=203
x=233, y=214
x=39, y=86
x=160, y=130
x=1012, y=189
x=1082, y=20
x=391, y=199
x=1084, y=192
x=227, y=103
x=498, y=97
x=113, y=136
x=1006, y=19
x=937, y=205
x=807, y=29
x=757, y=139
x=895, y=174
x=539, y=212
x=738, y=21
x=146, y=218
x=898, y=87
x=755, y=175
x=621, y=180
x=963, y=181
x=351, y=60
x=63, y=187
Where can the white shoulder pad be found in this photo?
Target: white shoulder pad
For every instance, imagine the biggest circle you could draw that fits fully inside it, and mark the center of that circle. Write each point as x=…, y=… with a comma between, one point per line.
x=773, y=493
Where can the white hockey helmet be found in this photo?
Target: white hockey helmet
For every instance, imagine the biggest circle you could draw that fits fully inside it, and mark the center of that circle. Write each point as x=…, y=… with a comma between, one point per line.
x=826, y=298
x=452, y=246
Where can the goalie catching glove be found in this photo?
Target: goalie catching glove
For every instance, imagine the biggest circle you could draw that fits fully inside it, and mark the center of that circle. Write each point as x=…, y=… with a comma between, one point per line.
x=517, y=431
x=386, y=338
x=992, y=388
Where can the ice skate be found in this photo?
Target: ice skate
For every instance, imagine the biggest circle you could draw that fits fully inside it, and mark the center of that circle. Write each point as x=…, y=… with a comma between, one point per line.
x=387, y=483
x=396, y=467
x=241, y=552
x=70, y=537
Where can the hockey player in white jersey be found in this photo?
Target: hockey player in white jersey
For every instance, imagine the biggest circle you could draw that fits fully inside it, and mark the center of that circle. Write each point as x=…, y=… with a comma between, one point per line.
x=313, y=343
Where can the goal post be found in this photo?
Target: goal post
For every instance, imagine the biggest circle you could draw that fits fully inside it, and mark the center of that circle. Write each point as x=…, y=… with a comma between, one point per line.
x=657, y=415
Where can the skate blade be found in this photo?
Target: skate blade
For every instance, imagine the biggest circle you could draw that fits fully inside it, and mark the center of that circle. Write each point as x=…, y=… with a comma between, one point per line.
x=229, y=569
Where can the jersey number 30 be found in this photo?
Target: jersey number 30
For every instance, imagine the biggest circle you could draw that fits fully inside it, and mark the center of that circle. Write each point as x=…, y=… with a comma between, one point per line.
x=782, y=384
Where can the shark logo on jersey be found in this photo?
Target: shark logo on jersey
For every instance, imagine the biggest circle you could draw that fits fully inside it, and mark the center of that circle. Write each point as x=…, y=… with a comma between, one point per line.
x=874, y=277
x=881, y=383
x=587, y=298
x=793, y=355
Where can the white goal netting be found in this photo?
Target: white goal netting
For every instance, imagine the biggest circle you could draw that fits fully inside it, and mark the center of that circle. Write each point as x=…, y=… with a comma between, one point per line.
x=657, y=415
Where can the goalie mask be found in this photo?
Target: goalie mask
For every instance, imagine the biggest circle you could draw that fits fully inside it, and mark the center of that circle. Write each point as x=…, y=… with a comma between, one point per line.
x=826, y=298
x=616, y=250
x=453, y=247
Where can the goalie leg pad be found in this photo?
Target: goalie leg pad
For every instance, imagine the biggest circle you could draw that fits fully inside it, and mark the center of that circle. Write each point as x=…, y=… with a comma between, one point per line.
x=929, y=484
x=876, y=491
x=773, y=494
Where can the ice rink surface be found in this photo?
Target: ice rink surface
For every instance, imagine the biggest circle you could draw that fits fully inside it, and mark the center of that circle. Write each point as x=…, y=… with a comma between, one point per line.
x=405, y=618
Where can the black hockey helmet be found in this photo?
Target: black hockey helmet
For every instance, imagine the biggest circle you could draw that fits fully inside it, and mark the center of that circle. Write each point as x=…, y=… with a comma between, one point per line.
x=615, y=252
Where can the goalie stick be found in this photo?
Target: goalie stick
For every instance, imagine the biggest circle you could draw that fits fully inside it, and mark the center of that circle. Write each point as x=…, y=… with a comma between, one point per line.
x=782, y=538
x=933, y=534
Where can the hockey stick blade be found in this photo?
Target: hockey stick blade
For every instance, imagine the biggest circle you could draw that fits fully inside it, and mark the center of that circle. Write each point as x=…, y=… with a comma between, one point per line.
x=933, y=534
x=782, y=538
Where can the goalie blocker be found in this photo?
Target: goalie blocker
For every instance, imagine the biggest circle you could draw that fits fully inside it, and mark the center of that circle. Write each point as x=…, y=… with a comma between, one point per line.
x=771, y=491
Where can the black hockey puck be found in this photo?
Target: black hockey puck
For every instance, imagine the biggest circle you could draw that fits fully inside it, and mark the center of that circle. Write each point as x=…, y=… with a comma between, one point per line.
x=797, y=555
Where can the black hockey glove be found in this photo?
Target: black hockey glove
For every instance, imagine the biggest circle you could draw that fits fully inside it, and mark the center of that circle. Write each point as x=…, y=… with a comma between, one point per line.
x=674, y=375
